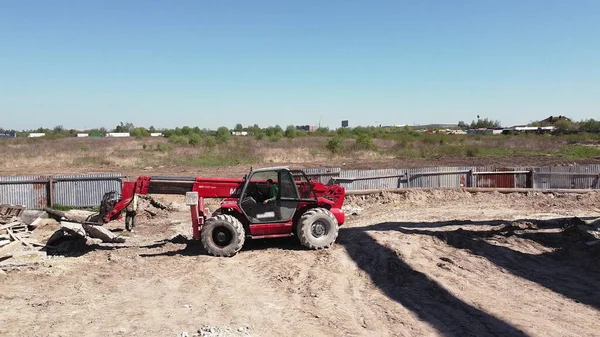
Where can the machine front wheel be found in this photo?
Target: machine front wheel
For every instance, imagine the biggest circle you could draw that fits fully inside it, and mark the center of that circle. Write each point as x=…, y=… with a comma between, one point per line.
x=223, y=235
x=318, y=228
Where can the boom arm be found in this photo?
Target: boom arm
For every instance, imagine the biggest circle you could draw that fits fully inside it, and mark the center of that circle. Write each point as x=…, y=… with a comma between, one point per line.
x=206, y=188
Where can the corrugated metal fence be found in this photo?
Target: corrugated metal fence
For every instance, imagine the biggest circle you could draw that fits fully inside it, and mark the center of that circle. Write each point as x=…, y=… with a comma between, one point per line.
x=558, y=177
x=87, y=190
x=67, y=190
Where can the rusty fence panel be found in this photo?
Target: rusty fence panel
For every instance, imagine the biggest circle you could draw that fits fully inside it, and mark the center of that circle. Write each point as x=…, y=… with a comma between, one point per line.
x=30, y=191
x=36, y=192
x=506, y=177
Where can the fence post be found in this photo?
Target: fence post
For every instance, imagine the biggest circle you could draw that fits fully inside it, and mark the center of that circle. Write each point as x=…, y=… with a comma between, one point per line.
x=407, y=180
x=529, y=182
x=470, y=178
x=50, y=191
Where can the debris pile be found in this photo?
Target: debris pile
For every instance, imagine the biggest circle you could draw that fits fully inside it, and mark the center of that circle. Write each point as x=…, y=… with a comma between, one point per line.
x=15, y=242
x=80, y=225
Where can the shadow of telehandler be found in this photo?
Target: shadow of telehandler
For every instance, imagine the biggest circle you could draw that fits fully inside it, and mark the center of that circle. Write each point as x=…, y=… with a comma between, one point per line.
x=417, y=292
x=571, y=269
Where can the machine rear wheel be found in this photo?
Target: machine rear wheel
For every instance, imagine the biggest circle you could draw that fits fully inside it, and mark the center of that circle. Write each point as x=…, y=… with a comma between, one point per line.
x=318, y=228
x=223, y=235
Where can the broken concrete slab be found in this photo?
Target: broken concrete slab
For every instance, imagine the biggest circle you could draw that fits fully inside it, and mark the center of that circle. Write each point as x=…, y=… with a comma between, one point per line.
x=79, y=215
x=32, y=217
x=103, y=234
x=73, y=228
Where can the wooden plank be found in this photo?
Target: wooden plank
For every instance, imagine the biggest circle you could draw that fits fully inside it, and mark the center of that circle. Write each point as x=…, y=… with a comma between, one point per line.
x=16, y=238
x=36, y=243
x=9, y=225
x=17, y=265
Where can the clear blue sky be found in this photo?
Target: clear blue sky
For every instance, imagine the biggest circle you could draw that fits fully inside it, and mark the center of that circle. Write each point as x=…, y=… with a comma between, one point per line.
x=208, y=63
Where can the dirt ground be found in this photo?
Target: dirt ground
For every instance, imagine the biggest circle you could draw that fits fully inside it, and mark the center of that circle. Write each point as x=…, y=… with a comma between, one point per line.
x=414, y=264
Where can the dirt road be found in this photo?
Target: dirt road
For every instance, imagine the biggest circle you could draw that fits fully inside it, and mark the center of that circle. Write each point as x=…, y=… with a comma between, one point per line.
x=420, y=264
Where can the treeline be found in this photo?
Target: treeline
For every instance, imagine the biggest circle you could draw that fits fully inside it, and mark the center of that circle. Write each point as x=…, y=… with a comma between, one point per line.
x=565, y=126
x=194, y=134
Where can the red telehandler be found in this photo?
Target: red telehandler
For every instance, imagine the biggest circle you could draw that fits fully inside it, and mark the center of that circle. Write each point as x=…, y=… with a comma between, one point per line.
x=308, y=209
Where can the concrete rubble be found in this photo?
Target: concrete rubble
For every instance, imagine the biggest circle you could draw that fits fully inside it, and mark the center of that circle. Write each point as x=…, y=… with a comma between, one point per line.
x=217, y=331
x=83, y=224
x=27, y=235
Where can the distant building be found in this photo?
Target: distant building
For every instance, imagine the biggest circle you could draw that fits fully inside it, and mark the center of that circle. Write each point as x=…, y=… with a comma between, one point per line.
x=307, y=128
x=156, y=134
x=118, y=134
x=82, y=135
x=239, y=133
x=36, y=134
x=8, y=135
x=554, y=119
x=528, y=129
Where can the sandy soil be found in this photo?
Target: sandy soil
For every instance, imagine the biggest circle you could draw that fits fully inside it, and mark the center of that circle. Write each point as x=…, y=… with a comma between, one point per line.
x=416, y=264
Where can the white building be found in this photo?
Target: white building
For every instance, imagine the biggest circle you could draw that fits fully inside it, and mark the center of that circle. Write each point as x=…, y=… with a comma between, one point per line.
x=81, y=135
x=156, y=134
x=118, y=134
x=36, y=135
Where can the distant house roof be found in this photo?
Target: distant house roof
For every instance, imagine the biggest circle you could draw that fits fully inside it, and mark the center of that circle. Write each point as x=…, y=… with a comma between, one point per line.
x=554, y=119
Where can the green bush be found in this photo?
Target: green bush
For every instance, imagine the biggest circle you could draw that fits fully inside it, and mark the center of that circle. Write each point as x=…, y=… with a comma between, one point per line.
x=290, y=132
x=344, y=132
x=275, y=138
x=364, y=142
x=140, y=132
x=179, y=140
x=335, y=144
x=210, y=142
x=194, y=139
x=163, y=147
x=222, y=135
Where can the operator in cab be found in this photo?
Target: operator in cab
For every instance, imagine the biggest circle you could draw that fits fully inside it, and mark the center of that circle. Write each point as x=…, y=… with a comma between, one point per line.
x=272, y=196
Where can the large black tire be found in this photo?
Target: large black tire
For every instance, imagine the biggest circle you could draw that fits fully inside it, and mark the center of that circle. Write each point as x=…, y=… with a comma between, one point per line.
x=318, y=228
x=223, y=235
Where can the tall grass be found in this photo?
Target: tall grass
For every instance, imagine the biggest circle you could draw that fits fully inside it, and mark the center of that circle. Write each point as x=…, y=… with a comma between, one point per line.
x=206, y=151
